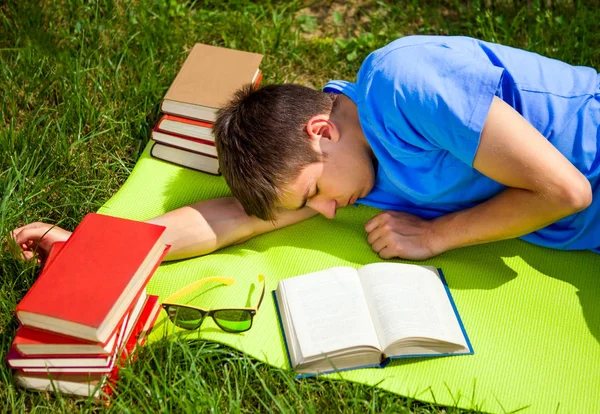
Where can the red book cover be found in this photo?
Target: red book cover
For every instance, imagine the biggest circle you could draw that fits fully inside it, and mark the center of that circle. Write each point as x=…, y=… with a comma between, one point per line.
x=90, y=284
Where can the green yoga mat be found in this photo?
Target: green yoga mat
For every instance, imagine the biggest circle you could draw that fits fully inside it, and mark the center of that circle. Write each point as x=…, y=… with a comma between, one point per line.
x=532, y=314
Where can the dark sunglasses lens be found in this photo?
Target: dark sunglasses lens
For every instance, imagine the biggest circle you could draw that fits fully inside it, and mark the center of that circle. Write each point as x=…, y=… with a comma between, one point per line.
x=233, y=320
x=185, y=318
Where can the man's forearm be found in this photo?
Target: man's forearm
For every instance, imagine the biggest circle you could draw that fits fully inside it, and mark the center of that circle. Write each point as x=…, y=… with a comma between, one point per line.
x=512, y=213
x=210, y=225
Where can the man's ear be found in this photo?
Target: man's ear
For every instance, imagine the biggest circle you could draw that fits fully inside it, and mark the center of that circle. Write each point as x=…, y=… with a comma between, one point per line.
x=320, y=126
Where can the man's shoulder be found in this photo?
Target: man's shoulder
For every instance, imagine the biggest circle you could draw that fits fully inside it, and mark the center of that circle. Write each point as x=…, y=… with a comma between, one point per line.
x=416, y=45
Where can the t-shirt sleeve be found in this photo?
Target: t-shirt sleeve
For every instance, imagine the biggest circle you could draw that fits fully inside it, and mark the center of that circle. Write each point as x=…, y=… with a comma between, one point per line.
x=433, y=97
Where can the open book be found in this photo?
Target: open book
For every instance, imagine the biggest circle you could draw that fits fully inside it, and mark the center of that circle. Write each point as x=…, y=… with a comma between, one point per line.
x=343, y=318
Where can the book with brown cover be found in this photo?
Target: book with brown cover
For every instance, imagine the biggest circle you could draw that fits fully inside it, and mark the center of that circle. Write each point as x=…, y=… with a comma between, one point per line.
x=208, y=79
x=106, y=262
x=186, y=158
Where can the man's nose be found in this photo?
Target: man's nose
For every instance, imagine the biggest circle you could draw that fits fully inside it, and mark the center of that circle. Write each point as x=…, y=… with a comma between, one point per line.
x=323, y=206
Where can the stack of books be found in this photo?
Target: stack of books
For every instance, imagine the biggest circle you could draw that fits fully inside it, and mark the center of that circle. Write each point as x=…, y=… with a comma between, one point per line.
x=88, y=310
x=205, y=83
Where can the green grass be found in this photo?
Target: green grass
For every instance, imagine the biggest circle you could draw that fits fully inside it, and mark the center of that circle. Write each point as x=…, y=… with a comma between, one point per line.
x=81, y=87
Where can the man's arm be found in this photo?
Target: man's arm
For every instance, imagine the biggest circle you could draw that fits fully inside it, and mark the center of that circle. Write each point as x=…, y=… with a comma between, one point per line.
x=194, y=230
x=206, y=226
x=543, y=188
x=544, y=185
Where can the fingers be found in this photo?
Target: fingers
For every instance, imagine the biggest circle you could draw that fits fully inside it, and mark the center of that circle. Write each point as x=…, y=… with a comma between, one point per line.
x=397, y=234
x=27, y=240
x=379, y=238
x=387, y=253
x=29, y=255
x=28, y=235
x=386, y=217
x=374, y=222
x=37, y=225
x=379, y=245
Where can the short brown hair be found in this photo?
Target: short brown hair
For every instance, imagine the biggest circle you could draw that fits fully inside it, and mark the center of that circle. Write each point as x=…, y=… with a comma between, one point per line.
x=262, y=142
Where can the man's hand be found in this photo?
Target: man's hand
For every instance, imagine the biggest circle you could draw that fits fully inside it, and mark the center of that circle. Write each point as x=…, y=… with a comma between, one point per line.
x=396, y=234
x=35, y=240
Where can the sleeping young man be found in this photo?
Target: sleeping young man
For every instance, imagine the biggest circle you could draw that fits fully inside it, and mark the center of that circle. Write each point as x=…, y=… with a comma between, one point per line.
x=460, y=141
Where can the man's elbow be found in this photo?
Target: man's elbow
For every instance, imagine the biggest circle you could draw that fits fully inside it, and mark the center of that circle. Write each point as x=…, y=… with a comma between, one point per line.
x=576, y=195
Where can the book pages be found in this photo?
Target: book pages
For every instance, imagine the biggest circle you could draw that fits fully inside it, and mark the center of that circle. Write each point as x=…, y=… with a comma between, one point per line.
x=329, y=312
x=408, y=301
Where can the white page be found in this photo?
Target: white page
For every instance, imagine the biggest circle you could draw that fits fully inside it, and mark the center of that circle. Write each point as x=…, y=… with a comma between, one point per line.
x=329, y=311
x=409, y=301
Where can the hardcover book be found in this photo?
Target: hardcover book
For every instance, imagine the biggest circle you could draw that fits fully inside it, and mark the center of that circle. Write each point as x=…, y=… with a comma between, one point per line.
x=208, y=79
x=190, y=128
x=343, y=318
x=17, y=361
x=106, y=262
x=84, y=385
x=185, y=158
x=35, y=342
x=136, y=327
x=96, y=385
x=180, y=141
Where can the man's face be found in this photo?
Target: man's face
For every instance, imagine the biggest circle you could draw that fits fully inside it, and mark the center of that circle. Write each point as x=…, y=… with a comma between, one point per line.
x=344, y=175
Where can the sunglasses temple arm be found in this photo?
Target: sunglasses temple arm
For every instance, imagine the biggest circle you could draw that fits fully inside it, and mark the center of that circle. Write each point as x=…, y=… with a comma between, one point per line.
x=262, y=294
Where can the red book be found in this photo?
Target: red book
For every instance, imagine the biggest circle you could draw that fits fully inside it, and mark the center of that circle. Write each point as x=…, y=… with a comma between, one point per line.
x=192, y=128
x=34, y=342
x=186, y=143
x=98, y=385
x=29, y=341
x=128, y=341
x=126, y=329
x=87, y=289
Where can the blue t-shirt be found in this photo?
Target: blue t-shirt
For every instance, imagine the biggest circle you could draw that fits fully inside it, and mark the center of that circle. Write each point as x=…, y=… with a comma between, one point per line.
x=422, y=103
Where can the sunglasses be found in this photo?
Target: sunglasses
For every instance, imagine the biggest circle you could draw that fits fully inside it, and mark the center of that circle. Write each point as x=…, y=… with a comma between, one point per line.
x=234, y=320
